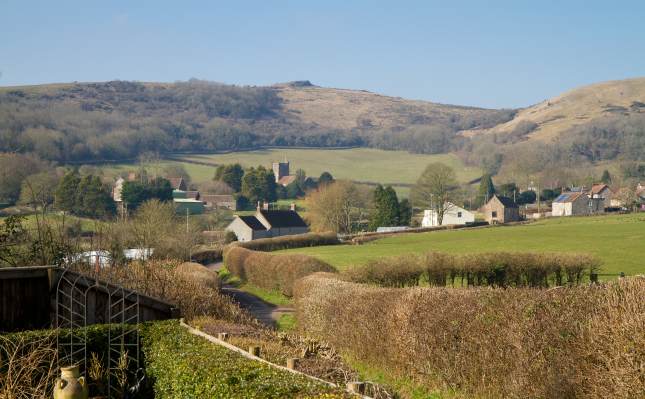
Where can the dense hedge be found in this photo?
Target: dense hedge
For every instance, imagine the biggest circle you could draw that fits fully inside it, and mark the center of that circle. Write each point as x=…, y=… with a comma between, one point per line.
x=499, y=269
x=292, y=241
x=272, y=272
x=585, y=341
x=185, y=366
x=28, y=360
x=207, y=255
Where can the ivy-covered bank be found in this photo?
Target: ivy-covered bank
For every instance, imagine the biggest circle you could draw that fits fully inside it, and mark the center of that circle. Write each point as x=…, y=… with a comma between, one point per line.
x=181, y=365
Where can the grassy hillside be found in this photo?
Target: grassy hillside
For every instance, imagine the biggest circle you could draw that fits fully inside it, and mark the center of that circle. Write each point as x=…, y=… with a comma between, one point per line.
x=579, y=106
x=618, y=241
x=397, y=168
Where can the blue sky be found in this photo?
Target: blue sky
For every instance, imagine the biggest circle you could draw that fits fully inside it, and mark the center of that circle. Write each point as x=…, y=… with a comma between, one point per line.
x=481, y=53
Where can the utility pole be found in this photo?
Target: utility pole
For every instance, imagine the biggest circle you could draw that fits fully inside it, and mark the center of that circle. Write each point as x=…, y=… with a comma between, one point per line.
x=538, y=196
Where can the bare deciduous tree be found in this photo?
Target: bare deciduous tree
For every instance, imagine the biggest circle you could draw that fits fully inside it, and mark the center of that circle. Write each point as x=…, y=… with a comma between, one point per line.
x=434, y=189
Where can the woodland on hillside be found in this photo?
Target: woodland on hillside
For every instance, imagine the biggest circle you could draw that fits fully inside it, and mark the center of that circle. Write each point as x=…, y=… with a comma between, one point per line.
x=121, y=120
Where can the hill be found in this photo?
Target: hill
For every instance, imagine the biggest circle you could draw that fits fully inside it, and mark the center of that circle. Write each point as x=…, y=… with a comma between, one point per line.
x=86, y=122
x=120, y=120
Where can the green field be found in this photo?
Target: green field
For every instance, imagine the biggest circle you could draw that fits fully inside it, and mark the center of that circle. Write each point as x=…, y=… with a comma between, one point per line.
x=617, y=240
x=396, y=168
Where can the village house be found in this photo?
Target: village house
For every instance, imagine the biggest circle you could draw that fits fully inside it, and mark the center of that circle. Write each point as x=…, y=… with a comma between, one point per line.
x=603, y=193
x=453, y=215
x=217, y=201
x=501, y=209
x=576, y=204
x=268, y=223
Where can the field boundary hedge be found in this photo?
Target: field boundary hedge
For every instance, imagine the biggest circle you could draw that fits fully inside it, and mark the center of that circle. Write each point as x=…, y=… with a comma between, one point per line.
x=272, y=272
x=497, y=269
x=289, y=242
x=583, y=341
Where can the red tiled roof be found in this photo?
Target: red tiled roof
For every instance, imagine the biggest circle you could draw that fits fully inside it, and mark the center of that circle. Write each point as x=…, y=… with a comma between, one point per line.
x=286, y=180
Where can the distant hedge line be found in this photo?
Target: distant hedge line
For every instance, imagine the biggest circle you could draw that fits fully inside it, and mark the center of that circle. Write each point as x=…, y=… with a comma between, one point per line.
x=292, y=241
x=585, y=341
x=272, y=272
x=499, y=269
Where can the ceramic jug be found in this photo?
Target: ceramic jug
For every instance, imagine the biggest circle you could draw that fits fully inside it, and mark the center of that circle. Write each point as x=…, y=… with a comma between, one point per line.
x=70, y=385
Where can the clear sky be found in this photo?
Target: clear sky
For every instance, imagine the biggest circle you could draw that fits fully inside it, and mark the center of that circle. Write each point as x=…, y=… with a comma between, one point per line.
x=482, y=53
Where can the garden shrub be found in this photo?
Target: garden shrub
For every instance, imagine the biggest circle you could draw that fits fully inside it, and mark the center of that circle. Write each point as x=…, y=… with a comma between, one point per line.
x=583, y=341
x=272, y=272
x=291, y=241
x=182, y=365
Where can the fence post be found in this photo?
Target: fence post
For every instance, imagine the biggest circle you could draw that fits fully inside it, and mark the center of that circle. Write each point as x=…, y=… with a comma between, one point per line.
x=254, y=350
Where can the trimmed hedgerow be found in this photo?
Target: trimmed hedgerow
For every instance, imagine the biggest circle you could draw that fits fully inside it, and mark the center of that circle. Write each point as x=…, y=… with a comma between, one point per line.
x=498, y=269
x=182, y=365
x=584, y=341
x=291, y=241
x=272, y=272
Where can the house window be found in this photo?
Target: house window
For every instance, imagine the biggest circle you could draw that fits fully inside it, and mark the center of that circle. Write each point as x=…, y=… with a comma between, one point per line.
x=494, y=214
x=458, y=214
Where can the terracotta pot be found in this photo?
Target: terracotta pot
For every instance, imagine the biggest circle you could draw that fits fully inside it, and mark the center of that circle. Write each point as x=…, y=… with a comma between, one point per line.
x=70, y=385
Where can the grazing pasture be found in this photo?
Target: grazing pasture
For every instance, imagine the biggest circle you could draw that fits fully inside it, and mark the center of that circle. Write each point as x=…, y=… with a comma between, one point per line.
x=617, y=240
x=397, y=168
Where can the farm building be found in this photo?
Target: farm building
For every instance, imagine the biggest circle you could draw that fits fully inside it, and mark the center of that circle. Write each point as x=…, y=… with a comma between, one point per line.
x=453, y=214
x=216, y=201
x=181, y=194
x=576, y=204
x=188, y=205
x=501, y=210
x=268, y=223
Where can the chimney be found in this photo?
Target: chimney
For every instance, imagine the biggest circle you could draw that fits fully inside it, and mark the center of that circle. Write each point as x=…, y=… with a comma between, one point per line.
x=293, y=206
x=265, y=206
x=259, y=207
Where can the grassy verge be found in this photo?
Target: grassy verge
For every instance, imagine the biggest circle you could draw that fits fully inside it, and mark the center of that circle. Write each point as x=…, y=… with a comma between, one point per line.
x=617, y=240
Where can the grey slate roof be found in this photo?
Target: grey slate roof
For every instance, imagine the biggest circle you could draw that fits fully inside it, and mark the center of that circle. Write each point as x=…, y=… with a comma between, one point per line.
x=283, y=218
x=252, y=222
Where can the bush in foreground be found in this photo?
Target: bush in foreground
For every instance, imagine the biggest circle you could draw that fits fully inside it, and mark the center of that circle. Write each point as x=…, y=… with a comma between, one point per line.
x=272, y=272
x=513, y=343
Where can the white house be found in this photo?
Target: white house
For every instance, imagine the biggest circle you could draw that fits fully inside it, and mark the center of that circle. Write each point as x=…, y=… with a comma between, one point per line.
x=268, y=223
x=453, y=214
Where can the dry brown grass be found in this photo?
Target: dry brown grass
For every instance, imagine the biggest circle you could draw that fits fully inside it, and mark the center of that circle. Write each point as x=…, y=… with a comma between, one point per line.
x=27, y=365
x=585, y=341
x=272, y=272
x=190, y=286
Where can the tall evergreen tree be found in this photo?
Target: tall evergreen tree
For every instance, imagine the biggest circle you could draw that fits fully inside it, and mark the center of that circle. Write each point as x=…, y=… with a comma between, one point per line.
x=606, y=177
x=94, y=198
x=258, y=184
x=386, y=212
x=405, y=212
x=231, y=174
x=65, y=196
x=486, y=189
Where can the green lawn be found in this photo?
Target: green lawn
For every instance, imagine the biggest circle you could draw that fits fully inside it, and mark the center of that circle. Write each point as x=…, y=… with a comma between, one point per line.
x=617, y=240
x=397, y=168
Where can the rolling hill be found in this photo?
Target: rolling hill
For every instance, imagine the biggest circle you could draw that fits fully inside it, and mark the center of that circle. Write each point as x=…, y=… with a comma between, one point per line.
x=118, y=120
x=553, y=118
